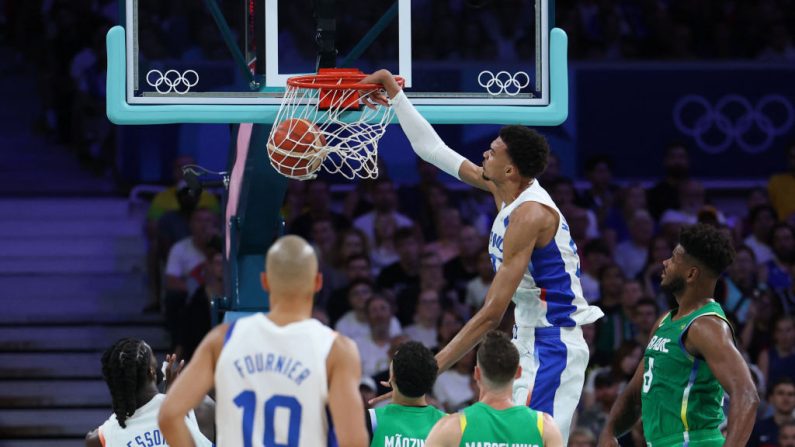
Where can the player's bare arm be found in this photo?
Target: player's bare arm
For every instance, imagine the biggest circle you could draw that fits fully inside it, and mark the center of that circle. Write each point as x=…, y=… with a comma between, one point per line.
x=711, y=339
x=551, y=435
x=446, y=432
x=528, y=221
x=92, y=438
x=190, y=389
x=468, y=172
x=626, y=411
x=344, y=400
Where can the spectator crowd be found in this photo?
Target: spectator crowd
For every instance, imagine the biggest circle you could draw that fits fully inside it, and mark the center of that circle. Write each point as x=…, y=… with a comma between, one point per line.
x=410, y=262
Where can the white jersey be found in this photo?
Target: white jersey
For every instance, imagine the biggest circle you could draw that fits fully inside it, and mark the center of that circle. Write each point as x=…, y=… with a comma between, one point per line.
x=142, y=429
x=271, y=384
x=550, y=293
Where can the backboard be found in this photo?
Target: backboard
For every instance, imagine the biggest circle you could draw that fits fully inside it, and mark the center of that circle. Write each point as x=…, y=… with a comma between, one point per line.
x=466, y=61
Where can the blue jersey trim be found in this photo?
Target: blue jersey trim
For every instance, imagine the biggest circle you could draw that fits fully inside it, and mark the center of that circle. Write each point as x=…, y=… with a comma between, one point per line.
x=549, y=272
x=331, y=440
x=552, y=357
x=229, y=332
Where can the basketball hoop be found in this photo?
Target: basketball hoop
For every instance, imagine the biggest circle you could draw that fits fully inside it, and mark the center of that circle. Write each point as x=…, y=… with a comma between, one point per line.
x=344, y=134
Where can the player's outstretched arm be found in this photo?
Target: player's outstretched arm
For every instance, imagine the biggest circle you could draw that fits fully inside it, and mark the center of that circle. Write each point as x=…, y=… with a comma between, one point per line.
x=551, y=435
x=345, y=402
x=711, y=338
x=424, y=140
x=527, y=220
x=625, y=411
x=190, y=388
x=446, y=432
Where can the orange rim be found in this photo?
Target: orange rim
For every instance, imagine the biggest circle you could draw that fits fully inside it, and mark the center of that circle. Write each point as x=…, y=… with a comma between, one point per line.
x=336, y=82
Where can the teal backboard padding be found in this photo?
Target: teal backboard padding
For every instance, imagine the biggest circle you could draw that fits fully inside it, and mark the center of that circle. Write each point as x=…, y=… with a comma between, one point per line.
x=256, y=224
x=120, y=112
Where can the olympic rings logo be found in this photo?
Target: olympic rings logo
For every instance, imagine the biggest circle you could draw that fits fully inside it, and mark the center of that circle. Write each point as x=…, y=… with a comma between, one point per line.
x=172, y=80
x=764, y=120
x=503, y=82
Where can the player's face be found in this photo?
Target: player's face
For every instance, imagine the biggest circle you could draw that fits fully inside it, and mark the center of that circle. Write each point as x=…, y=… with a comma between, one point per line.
x=495, y=159
x=673, y=280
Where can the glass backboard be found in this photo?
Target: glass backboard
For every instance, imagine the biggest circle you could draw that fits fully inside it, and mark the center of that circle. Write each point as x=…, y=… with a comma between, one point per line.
x=467, y=53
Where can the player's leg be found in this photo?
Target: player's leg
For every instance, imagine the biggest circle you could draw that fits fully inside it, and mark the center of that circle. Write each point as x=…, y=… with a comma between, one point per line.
x=523, y=386
x=553, y=372
x=571, y=381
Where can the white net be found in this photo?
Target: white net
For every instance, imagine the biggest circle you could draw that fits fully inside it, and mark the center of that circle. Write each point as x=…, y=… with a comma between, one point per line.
x=340, y=139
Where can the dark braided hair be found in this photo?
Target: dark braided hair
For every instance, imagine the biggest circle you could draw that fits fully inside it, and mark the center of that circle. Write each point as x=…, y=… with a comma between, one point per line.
x=124, y=367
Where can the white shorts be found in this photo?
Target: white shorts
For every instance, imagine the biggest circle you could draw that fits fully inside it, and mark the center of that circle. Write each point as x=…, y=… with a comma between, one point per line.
x=553, y=363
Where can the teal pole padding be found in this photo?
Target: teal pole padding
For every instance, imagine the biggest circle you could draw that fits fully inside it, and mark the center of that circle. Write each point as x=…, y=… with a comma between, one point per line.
x=120, y=112
x=371, y=35
x=226, y=34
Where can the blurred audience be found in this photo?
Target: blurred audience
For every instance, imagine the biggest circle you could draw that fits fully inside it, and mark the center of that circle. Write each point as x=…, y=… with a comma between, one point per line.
x=781, y=188
x=374, y=348
x=195, y=319
x=318, y=206
x=631, y=254
x=425, y=319
x=778, y=361
x=384, y=203
x=665, y=194
x=781, y=396
x=761, y=219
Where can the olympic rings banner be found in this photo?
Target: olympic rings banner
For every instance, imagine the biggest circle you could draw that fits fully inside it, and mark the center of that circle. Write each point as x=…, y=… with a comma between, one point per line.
x=737, y=120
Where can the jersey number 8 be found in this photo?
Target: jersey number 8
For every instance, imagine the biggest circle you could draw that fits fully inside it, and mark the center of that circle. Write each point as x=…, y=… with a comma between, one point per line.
x=647, y=376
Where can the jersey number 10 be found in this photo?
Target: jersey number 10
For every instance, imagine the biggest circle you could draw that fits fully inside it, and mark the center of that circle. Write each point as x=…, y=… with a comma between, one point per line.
x=247, y=400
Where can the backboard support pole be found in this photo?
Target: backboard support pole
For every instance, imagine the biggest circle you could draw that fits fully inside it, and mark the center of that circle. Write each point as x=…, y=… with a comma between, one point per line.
x=326, y=36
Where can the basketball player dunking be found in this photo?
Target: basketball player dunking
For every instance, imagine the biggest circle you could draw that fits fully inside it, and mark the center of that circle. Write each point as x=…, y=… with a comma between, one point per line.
x=532, y=252
x=275, y=374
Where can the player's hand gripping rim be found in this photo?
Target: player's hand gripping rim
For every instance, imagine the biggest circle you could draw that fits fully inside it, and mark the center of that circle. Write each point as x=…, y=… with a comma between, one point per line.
x=372, y=98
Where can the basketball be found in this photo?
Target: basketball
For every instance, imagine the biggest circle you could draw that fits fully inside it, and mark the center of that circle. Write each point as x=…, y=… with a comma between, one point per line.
x=295, y=148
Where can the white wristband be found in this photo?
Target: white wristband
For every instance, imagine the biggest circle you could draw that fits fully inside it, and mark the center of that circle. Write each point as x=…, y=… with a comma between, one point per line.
x=424, y=140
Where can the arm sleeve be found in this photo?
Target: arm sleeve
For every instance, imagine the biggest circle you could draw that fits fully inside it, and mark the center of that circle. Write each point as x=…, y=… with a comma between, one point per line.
x=424, y=140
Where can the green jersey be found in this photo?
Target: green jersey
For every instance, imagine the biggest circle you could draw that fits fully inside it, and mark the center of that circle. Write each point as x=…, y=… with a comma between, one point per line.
x=402, y=426
x=681, y=400
x=483, y=426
